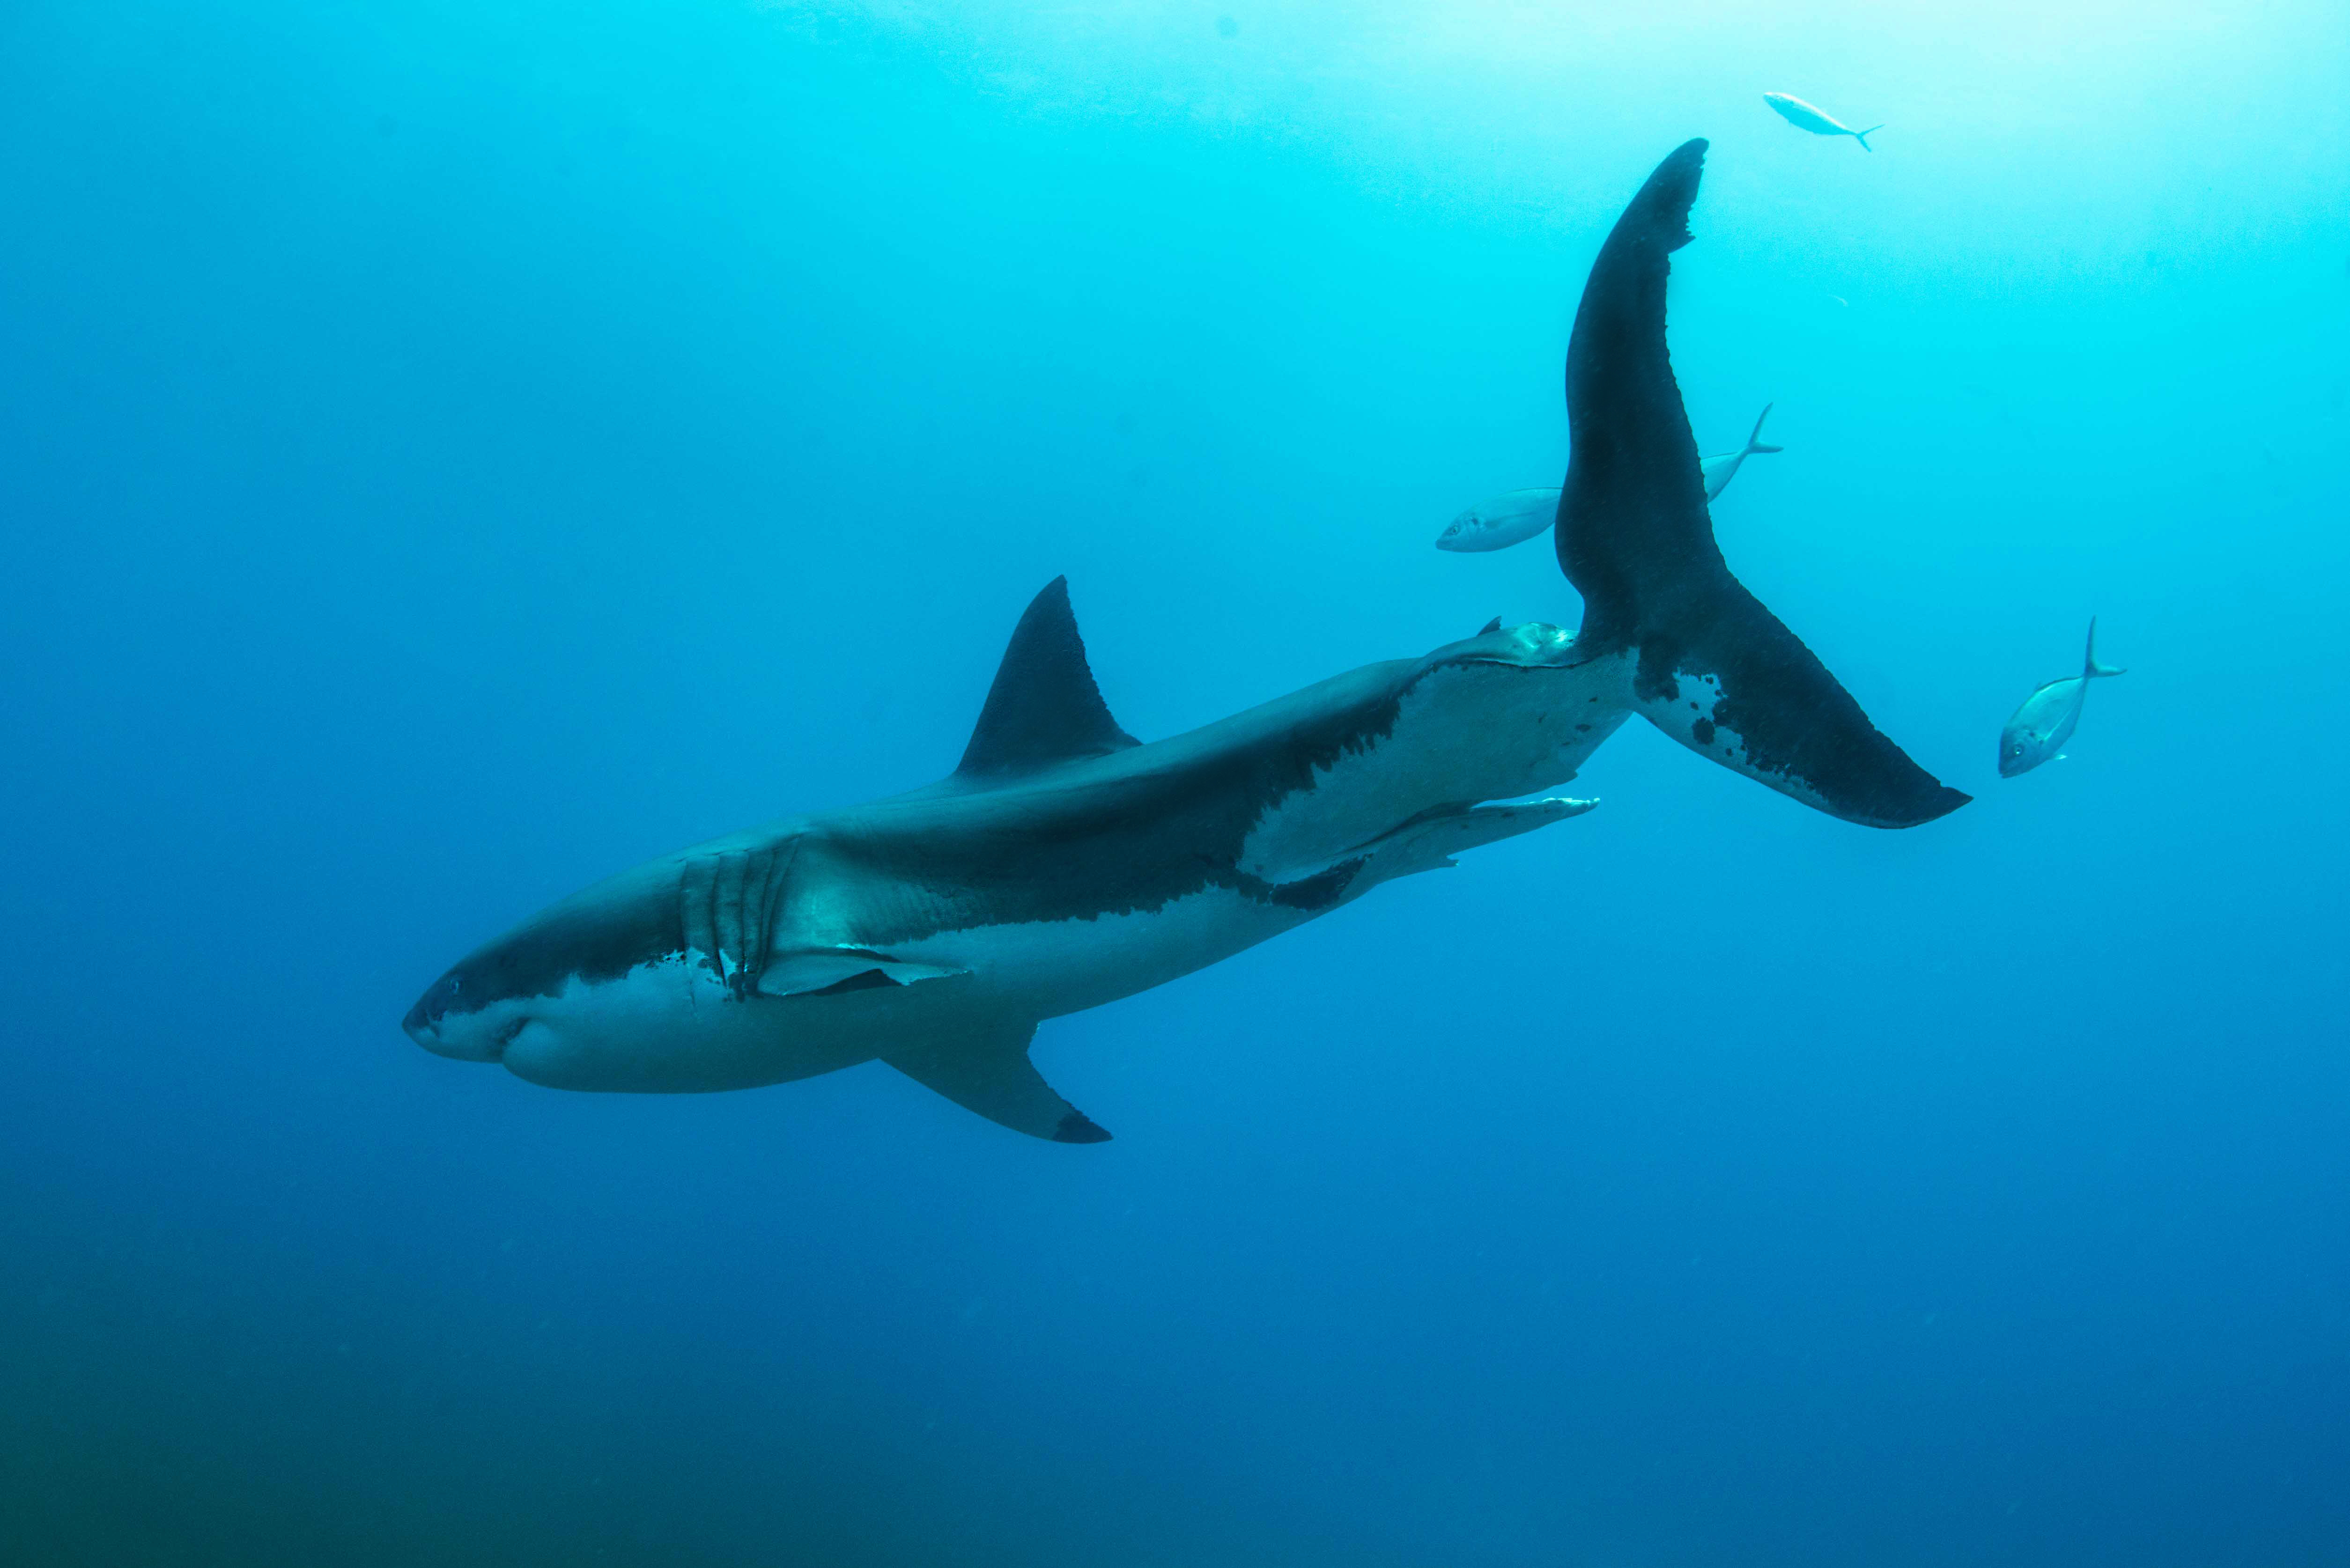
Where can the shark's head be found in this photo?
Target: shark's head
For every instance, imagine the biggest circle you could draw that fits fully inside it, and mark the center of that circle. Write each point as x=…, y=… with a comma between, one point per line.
x=475, y=1010
x=637, y=983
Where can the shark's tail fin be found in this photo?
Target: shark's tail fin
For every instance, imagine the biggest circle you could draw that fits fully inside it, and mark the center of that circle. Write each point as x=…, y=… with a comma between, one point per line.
x=2090, y=667
x=1754, y=442
x=1708, y=664
x=1862, y=136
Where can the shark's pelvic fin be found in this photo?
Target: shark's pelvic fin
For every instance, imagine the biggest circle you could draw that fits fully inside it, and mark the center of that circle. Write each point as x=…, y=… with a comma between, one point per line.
x=1044, y=707
x=990, y=1072
x=1429, y=843
x=1714, y=668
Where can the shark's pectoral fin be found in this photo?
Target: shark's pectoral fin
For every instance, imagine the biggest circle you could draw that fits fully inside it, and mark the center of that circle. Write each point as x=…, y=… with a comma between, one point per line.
x=990, y=1072
x=827, y=971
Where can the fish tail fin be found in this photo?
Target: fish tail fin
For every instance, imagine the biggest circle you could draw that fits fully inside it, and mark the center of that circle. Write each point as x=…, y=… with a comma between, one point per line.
x=1862, y=136
x=1754, y=442
x=1705, y=661
x=2090, y=667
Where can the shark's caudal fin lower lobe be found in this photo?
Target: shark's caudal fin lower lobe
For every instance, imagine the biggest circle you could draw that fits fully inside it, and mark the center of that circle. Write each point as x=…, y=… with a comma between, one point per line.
x=1714, y=668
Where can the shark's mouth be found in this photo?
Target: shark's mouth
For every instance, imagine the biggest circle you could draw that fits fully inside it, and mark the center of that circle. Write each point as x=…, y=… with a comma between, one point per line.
x=471, y=1037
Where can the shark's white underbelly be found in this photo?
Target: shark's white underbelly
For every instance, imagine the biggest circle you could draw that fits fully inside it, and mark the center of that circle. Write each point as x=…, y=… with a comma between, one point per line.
x=1042, y=968
x=672, y=1026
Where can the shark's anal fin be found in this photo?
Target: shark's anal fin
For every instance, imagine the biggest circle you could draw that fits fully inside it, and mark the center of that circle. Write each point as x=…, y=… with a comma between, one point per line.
x=1044, y=707
x=990, y=1072
x=1712, y=667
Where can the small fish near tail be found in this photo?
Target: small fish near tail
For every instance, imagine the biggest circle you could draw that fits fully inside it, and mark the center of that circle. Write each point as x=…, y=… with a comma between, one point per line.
x=2090, y=669
x=1707, y=663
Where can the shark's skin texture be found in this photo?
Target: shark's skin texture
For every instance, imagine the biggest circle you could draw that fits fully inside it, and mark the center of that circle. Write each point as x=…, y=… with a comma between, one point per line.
x=1064, y=865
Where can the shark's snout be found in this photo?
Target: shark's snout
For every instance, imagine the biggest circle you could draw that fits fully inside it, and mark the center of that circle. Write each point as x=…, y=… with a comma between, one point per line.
x=423, y=1019
x=442, y=1025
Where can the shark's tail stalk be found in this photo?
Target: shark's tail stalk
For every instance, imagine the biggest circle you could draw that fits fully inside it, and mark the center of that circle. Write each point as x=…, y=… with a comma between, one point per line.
x=1862, y=136
x=1754, y=442
x=1708, y=664
x=2090, y=667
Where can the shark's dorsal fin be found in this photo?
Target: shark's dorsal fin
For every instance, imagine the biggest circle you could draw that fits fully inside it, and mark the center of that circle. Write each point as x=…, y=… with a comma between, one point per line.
x=1044, y=707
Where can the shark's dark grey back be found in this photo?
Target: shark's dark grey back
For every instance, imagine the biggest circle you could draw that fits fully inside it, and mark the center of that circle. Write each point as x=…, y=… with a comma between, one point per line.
x=1634, y=539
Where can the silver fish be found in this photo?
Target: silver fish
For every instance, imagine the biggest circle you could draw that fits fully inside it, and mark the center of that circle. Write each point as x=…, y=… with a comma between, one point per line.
x=1517, y=515
x=1508, y=519
x=2038, y=731
x=1720, y=471
x=1819, y=122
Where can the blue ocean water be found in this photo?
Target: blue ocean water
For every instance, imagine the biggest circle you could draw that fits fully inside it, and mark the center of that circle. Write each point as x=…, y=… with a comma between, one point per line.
x=450, y=452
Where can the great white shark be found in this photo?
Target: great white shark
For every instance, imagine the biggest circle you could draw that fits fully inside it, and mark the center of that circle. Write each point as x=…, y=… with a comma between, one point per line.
x=1064, y=864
